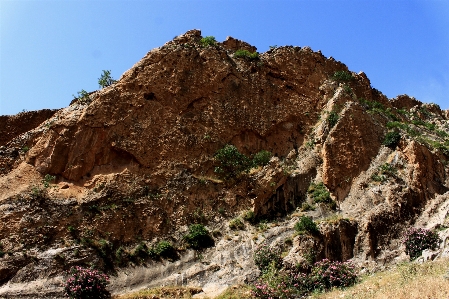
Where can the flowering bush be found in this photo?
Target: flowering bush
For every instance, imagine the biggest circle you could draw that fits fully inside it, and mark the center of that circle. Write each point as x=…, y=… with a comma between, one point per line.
x=86, y=284
x=418, y=239
x=264, y=256
x=327, y=274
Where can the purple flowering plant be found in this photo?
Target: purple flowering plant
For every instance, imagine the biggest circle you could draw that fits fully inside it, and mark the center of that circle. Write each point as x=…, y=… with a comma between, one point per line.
x=327, y=274
x=265, y=255
x=86, y=283
x=418, y=239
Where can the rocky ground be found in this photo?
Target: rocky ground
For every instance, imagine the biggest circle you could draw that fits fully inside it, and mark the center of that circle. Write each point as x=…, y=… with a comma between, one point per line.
x=133, y=164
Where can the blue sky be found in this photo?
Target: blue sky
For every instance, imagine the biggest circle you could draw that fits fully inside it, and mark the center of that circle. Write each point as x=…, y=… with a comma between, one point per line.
x=50, y=50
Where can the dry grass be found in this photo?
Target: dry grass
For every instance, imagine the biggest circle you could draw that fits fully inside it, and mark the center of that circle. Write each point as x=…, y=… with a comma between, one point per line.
x=234, y=292
x=406, y=281
x=162, y=293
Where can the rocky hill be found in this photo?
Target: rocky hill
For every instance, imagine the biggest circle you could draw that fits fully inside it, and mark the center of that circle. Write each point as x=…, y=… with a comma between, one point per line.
x=177, y=140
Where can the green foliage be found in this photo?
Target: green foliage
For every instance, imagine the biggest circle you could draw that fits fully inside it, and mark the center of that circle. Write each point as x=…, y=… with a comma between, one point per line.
x=264, y=256
x=319, y=193
x=249, y=216
x=208, y=41
x=305, y=207
x=342, y=76
x=2, y=253
x=236, y=223
x=140, y=251
x=392, y=139
x=332, y=118
x=306, y=224
x=231, y=162
x=246, y=54
x=47, y=179
x=418, y=239
x=86, y=284
x=83, y=97
x=261, y=158
x=384, y=172
x=164, y=249
x=105, y=79
x=198, y=237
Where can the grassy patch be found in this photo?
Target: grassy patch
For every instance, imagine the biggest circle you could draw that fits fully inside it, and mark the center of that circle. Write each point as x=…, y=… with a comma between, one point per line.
x=406, y=281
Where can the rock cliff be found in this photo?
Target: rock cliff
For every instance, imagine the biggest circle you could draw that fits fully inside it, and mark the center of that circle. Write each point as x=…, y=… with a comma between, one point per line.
x=135, y=163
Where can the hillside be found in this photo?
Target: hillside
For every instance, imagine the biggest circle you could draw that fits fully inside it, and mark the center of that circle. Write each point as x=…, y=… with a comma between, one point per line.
x=183, y=138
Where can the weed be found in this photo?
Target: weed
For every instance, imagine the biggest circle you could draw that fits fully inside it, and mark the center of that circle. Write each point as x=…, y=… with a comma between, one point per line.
x=305, y=207
x=164, y=249
x=342, y=76
x=208, y=41
x=332, y=119
x=262, y=158
x=83, y=97
x=306, y=224
x=246, y=54
x=236, y=223
x=47, y=179
x=249, y=216
x=319, y=193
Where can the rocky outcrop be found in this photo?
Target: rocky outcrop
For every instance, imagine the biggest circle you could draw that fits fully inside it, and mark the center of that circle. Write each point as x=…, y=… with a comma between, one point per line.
x=12, y=126
x=134, y=164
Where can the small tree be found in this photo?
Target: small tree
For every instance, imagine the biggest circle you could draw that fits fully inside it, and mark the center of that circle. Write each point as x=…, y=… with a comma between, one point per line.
x=86, y=284
x=231, y=161
x=106, y=79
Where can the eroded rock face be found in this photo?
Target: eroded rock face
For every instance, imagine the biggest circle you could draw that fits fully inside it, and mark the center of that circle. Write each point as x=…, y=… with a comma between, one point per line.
x=136, y=165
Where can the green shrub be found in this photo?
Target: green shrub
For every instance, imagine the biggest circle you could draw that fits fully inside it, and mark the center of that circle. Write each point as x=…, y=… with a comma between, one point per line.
x=392, y=139
x=208, y=41
x=262, y=158
x=246, y=54
x=319, y=193
x=198, y=237
x=383, y=172
x=47, y=179
x=249, y=216
x=164, y=249
x=236, y=223
x=305, y=207
x=264, y=255
x=418, y=239
x=140, y=251
x=83, y=97
x=332, y=118
x=342, y=76
x=86, y=284
x=105, y=79
x=231, y=162
x=306, y=224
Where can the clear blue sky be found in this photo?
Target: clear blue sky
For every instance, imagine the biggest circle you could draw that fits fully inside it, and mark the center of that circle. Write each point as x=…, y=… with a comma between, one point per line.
x=49, y=50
